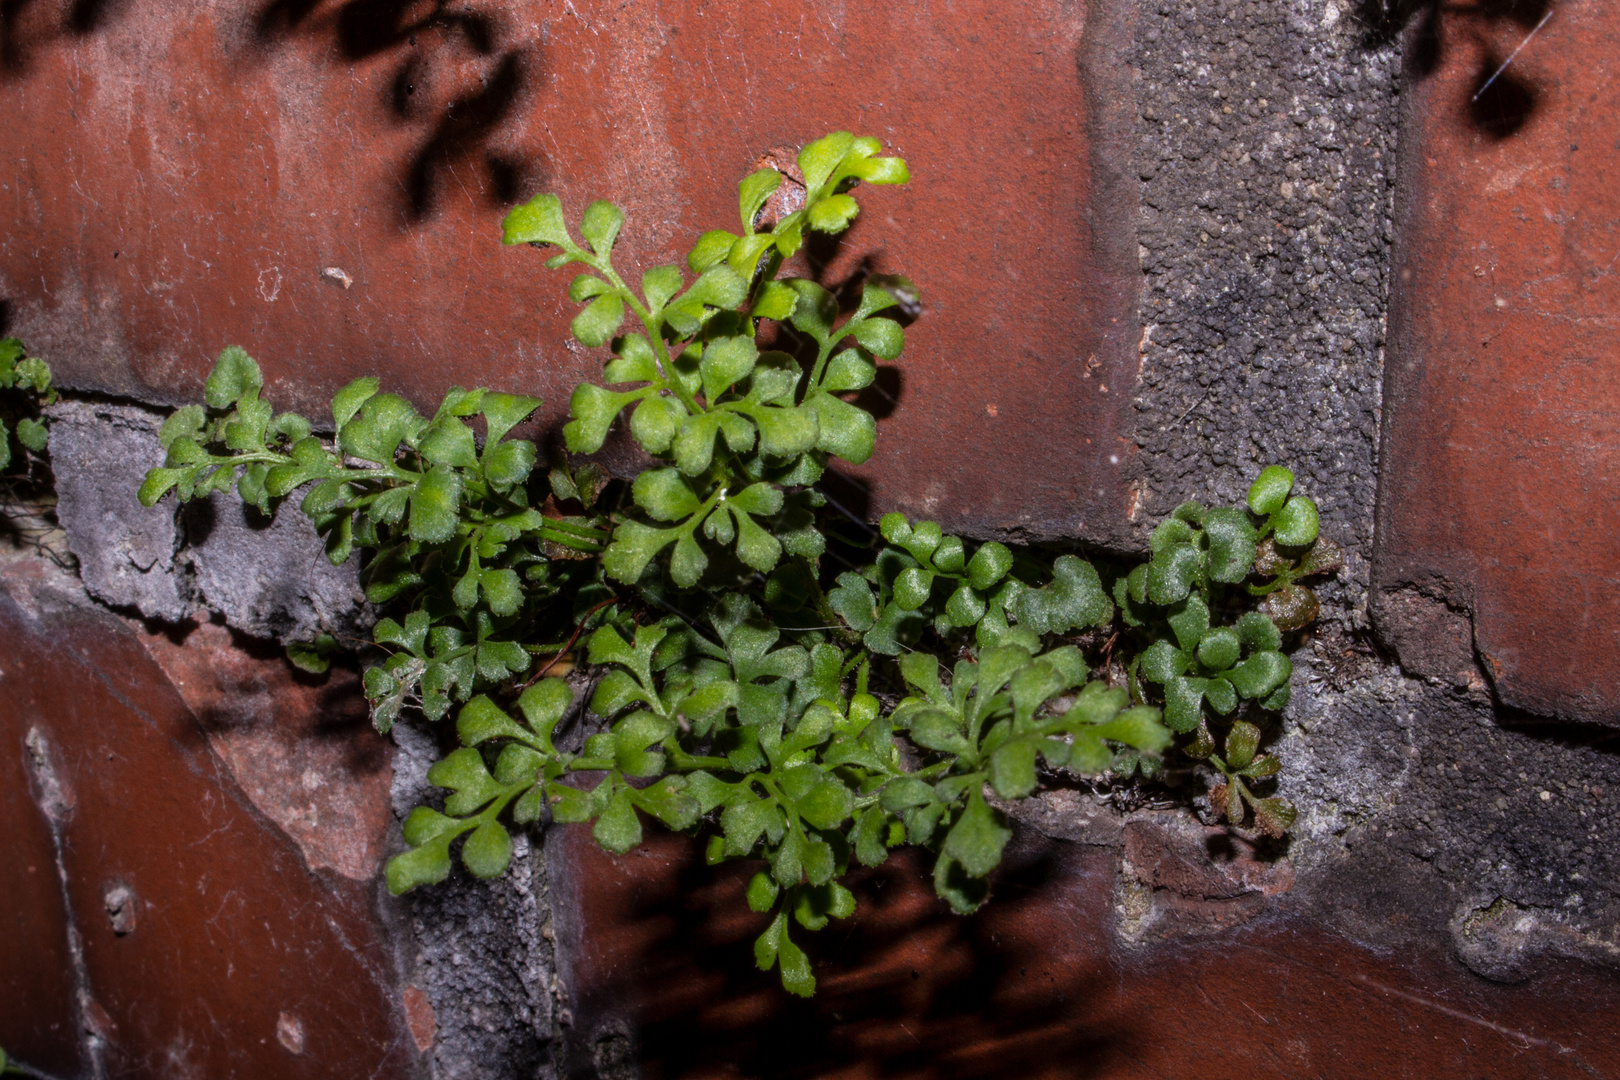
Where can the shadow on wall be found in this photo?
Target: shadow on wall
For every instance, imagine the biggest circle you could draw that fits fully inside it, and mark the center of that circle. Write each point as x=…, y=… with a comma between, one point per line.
x=1502, y=101
x=904, y=986
x=26, y=27
x=456, y=78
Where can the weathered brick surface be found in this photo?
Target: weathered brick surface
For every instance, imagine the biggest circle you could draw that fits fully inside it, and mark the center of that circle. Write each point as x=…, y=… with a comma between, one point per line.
x=1036, y=986
x=234, y=163
x=1499, y=497
x=190, y=175
x=209, y=947
x=40, y=1014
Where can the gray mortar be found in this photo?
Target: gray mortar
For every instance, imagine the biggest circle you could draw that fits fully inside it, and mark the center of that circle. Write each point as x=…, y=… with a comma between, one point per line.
x=1427, y=818
x=1267, y=166
x=267, y=576
x=483, y=950
x=1265, y=234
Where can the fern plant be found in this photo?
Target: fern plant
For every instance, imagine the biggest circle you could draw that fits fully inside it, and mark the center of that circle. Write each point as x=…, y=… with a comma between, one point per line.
x=803, y=720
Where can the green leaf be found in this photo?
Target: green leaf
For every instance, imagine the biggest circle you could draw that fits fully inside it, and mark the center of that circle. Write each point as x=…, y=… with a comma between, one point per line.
x=819, y=159
x=1241, y=743
x=1219, y=649
x=601, y=224
x=599, y=320
x=448, y=441
x=1183, y=703
x=694, y=446
x=1258, y=633
x=347, y=401
x=883, y=337
x=965, y=606
x=665, y=494
x=1260, y=674
x=538, y=221
x=1296, y=523
x=989, y=565
x=185, y=422
x=885, y=170
x=32, y=434
x=869, y=835
x=719, y=287
x=1075, y=598
x=833, y=214
x=912, y=587
x=669, y=802
x=776, y=301
x=854, y=602
x=1189, y=621
x=1172, y=573
x=964, y=892
x=760, y=498
x=687, y=562
x=1139, y=728
x=1232, y=540
x=659, y=284
x=848, y=370
x=382, y=424
x=762, y=892
x=1270, y=489
x=786, y=432
x=712, y=247
x=425, y=865
x=938, y=729
x=502, y=413
x=844, y=430
x=978, y=837
x=312, y=656
x=634, y=362
x=726, y=361
x=655, y=422
x=154, y=487
x=234, y=377
x=752, y=192
x=633, y=547
x=1012, y=768
x=618, y=829
x=755, y=546
x=585, y=286
x=488, y=850
x=815, y=310
x=435, y=506
x=745, y=253
x=594, y=410
x=509, y=463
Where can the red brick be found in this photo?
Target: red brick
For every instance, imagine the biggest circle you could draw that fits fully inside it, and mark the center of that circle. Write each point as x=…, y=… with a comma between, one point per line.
x=1500, y=494
x=238, y=948
x=1035, y=985
x=184, y=181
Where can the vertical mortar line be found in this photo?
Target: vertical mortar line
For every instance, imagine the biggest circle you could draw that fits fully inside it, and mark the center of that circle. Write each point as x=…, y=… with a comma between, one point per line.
x=54, y=803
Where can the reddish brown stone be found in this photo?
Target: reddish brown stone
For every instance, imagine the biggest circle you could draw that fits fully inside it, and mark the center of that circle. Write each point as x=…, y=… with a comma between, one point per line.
x=1036, y=985
x=39, y=1016
x=419, y=1015
x=322, y=183
x=234, y=935
x=1500, y=492
x=301, y=746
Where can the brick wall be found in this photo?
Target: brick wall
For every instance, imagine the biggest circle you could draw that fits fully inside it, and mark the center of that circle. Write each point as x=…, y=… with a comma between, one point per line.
x=1210, y=237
